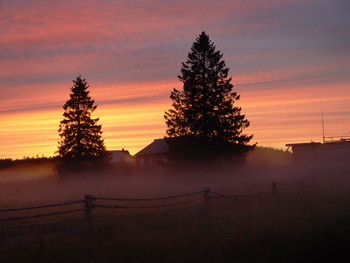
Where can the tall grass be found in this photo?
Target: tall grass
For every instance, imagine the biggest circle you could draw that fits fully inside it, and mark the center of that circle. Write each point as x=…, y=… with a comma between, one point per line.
x=308, y=226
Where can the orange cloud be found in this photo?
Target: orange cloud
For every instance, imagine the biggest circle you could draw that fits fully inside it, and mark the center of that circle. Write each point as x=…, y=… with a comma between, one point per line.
x=287, y=62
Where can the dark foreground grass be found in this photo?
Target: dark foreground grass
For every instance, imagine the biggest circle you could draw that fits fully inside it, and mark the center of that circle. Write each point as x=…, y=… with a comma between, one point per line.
x=309, y=226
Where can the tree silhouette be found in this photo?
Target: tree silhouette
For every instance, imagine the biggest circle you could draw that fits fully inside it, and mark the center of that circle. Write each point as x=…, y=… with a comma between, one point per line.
x=204, y=122
x=81, y=143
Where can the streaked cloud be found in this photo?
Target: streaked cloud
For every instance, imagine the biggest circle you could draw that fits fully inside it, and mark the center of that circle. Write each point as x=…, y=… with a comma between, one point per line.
x=289, y=60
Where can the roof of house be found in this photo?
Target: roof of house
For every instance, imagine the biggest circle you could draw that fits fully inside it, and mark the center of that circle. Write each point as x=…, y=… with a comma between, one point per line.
x=330, y=149
x=122, y=151
x=303, y=144
x=158, y=146
x=119, y=153
x=343, y=142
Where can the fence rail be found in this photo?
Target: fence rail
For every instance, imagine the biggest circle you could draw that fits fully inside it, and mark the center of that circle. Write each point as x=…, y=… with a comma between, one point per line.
x=150, y=206
x=93, y=206
x=149, y=199
x=41, y=206
x=40, y=215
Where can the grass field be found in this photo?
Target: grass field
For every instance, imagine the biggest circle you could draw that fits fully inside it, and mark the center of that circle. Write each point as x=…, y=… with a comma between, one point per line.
x=309, y=224
x=287, y=227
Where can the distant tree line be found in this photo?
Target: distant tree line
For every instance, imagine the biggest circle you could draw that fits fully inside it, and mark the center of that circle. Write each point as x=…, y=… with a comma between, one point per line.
x=8, y=162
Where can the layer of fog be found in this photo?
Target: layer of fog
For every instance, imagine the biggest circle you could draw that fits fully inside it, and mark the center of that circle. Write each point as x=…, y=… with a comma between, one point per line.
x=39, y=184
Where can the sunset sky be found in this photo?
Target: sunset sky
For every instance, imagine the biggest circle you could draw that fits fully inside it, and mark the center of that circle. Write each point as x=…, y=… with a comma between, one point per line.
x=289, y=60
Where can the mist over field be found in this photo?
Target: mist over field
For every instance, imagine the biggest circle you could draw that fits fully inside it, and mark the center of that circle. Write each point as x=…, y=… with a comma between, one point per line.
x=39, y=183
x=308, y=223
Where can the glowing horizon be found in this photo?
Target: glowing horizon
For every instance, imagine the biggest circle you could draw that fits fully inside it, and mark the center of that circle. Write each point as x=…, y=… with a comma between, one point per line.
x=289, y=60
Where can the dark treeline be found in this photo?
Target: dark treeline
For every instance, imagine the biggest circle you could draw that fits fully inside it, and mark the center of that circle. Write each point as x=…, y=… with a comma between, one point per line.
x=8, y=162
x=262, y=155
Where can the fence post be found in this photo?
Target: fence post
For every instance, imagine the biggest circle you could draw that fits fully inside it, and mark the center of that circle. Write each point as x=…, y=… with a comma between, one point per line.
x=206, y=196
x=88, y=206
x=274, y=187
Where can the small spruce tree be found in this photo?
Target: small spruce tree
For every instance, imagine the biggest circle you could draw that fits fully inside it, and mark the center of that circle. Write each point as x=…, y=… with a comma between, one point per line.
x=204, y=122
x=81, y=143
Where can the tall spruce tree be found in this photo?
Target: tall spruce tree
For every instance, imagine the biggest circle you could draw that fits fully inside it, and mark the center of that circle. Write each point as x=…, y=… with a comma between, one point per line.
x=204, y=121
x=81, y=143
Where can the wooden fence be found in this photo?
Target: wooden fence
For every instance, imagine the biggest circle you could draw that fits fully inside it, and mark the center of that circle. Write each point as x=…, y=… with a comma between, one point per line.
x=95, y=206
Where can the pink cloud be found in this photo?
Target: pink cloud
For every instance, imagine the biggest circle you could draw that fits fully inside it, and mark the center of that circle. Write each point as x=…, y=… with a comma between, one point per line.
x=283, y=56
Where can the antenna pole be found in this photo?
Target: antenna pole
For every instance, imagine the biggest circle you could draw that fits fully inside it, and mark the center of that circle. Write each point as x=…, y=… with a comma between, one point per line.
x=323, y=126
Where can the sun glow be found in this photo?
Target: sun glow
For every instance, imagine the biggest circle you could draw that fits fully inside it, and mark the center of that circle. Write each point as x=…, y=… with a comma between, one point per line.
x=287, y=62
x=132, y=122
